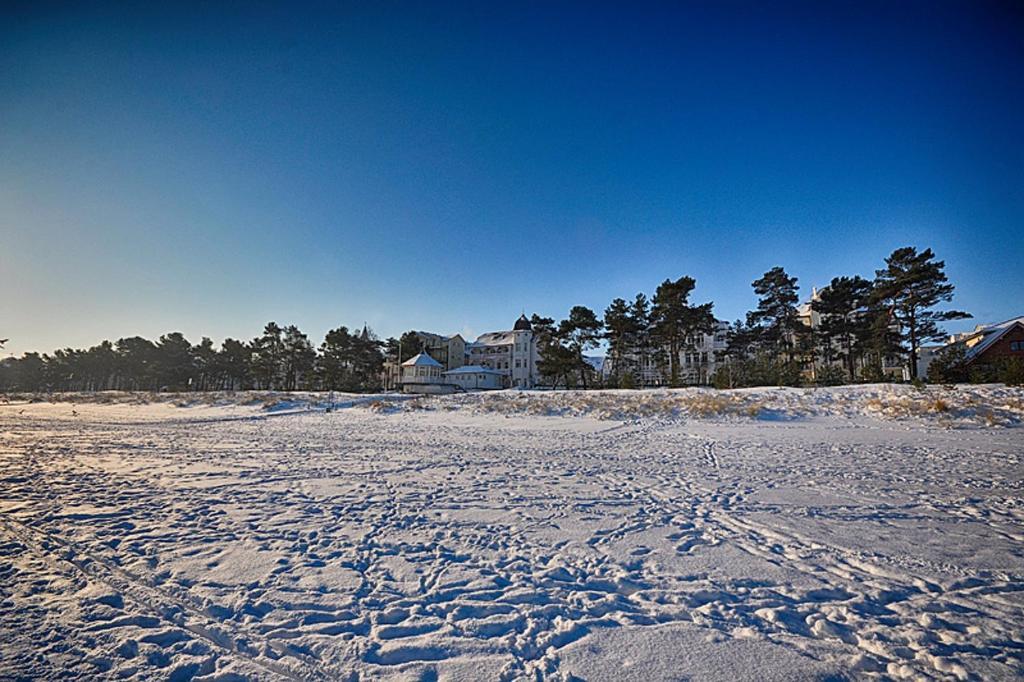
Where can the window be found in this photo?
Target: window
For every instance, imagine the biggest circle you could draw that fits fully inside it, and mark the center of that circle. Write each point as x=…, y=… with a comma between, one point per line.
x=1017, y=345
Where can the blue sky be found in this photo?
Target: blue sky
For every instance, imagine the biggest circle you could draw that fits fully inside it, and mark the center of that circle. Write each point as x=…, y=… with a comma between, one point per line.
x=207, y=169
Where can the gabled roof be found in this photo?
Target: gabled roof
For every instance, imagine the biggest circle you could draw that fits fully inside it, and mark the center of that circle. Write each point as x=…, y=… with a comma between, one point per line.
x=421, y=360
x=990, y=335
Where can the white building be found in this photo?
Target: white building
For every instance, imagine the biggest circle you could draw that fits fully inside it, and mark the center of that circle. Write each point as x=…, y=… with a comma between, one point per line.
x=422, y=374
x=513, y=353
x=475, y=378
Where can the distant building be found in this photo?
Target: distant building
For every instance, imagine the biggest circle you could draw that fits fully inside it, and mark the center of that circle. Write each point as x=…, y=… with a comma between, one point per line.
x=513, y=353
x=475, y=378
x=985, y=345
x=450, y=351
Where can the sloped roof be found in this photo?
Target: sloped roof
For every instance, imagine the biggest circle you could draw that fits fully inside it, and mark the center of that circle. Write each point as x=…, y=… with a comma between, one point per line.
x=522, y=324
x=991, y=334
x=495, y=339
x=421, y=360
x=472, y=369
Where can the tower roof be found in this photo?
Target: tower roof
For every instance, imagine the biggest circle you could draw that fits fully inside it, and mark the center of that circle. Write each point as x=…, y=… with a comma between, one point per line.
x=421, y=360
x=522, y=325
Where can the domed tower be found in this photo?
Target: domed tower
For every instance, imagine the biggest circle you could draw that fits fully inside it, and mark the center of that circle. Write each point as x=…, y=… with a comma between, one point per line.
x=523, y=354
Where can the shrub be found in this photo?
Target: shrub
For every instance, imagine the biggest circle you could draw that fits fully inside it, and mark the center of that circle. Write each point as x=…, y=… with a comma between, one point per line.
x=872, y=373
x=949, y=366
x=1011, y=372
x=830, y=375
x=722, y=379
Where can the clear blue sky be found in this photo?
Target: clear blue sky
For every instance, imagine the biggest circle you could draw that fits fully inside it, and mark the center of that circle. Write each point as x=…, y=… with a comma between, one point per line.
x=207, y=169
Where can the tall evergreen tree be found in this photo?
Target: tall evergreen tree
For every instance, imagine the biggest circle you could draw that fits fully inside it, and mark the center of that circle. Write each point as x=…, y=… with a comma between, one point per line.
x=543, y=334
x=675, y=322
x=298, y=357
x=411, y=344
x=204, y=358
x=174, y=362
x=620, y=335
x=235, y=362
x=776, y=313
x=908, y=289
x=351, y=362
x=334, y=362
x=367, y=361
x=846, y=323
x=137, y=366
x=640, y=312
x=557, y=363
x=580, y=332
x=543, y=327
x=98, y=365
x=268, y=353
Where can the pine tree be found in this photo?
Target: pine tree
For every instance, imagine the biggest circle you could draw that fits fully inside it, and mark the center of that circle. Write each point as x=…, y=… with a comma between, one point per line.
x=136, y=361
x=580, y=332
x=619, y=333
x=298, y=357
x=640, y=312
x=908, y=289
x=736, y=367
x=368, y=361
x=556, y=362
x=675, y=323
x=845, y=328
x=335, y=360
x=268, y=351
x=776, y=313
x=235, y=363
x=411, y=345
x=175, y=368
x=204, y=356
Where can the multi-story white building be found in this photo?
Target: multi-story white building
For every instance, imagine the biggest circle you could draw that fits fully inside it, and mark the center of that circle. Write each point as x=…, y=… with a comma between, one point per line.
x=513, y=353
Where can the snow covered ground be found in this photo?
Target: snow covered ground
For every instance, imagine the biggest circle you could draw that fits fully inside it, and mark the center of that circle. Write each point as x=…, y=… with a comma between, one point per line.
x=868, y=532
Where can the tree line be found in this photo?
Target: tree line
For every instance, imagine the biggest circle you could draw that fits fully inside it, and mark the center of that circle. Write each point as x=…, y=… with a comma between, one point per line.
x=281, y=358
x=861, y=324
x=862, y=327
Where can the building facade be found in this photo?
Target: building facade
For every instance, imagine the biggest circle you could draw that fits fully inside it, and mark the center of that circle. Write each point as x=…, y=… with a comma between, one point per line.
x=475, y=378
x=513, y=353
x=450, y=351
